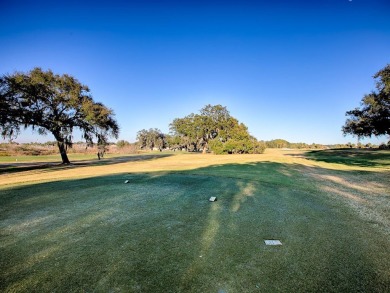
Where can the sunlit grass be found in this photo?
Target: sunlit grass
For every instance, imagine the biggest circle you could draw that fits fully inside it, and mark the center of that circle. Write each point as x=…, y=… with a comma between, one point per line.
x=81, y=229
x=46, y=158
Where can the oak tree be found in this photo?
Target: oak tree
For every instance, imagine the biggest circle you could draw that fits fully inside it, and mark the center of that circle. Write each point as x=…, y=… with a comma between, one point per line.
x=53, y=103
x=152, y=138
x=373, y=117
x=216, y=130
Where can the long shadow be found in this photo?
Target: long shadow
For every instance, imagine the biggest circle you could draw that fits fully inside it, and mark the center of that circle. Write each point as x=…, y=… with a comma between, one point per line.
x=159, y=233
x=21, y=167
x=351, y=157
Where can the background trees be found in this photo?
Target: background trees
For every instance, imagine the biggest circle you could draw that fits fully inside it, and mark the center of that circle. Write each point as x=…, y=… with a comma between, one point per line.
x=122, y=143
x=216, y=130
x=152, y=138
x=373, y=117
x=278, y=143
x=187, y=132
x=53, y=103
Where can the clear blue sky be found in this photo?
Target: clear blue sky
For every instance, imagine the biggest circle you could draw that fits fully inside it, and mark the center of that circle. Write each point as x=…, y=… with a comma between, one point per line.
x=287, y=69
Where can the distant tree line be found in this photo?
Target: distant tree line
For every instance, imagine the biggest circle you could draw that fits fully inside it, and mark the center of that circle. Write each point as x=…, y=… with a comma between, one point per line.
x=215, y=130
x=281, y=143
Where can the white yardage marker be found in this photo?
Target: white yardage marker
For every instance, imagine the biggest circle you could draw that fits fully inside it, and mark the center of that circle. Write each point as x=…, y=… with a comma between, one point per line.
x=213, y=198
x=272, y=242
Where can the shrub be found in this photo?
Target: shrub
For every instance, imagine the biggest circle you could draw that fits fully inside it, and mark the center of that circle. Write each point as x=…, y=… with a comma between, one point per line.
x=122, y=143
x=259, y=147
x=217, y=147
x=235, y=146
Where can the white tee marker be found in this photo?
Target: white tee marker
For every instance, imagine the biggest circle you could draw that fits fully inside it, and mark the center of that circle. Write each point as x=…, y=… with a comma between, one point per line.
x=272, y=242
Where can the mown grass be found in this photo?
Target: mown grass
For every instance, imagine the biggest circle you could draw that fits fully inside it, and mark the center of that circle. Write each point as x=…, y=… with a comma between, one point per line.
x=354, y=157
x=45, y=158
x=87, y=231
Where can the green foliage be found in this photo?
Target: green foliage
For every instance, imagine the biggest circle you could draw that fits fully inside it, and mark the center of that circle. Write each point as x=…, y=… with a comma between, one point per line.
x=187, y=132
x=122, y=143
x=53, y=103
x=218, y=147
x=174, y=142
x=235, y=146
x=216, y=130
x=281, y=143
x=373, y=118
x=152, y=138
x=259, y=147
x=278, y=143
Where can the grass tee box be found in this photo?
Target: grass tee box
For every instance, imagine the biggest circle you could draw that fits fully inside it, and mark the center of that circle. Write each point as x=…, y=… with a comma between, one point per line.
x=159, y=232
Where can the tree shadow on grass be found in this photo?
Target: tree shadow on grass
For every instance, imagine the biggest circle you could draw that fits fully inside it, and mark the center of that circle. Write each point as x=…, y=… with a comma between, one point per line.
x=159, y=233
x=350, y=157
x=50, y=166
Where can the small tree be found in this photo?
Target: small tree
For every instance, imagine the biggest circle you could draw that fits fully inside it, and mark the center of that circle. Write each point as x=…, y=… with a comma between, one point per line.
x=53, y=103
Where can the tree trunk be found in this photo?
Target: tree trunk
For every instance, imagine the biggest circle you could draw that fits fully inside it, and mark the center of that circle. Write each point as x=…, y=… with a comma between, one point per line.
x=205, y=147
x=62, y=148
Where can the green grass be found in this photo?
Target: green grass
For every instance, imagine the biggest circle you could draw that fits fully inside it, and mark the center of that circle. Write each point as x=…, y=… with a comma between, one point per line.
x=47, y=158
x=159, y=233
x=362, y=157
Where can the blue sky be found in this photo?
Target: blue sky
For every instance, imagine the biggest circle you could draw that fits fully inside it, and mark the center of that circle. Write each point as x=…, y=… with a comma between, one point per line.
x=286, y=69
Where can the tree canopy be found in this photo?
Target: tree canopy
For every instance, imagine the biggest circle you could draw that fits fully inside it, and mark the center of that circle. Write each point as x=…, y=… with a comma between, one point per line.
x=214, y=129
x=53, y=103
x=373, y=117
x=152, y=138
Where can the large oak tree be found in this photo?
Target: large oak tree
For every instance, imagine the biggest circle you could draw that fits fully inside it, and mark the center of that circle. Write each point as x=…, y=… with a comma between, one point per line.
x=216, y=130
x=373, y=117
x=53, y=103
